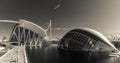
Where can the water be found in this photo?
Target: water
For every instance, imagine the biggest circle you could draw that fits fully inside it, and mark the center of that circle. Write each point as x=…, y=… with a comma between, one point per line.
x=51, y=54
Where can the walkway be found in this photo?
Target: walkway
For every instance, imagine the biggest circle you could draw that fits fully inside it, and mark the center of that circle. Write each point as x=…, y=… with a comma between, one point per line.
x=15, y=55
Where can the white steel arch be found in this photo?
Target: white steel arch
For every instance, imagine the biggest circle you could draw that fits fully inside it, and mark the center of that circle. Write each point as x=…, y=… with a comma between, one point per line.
x=33, y=27
x=26, y=32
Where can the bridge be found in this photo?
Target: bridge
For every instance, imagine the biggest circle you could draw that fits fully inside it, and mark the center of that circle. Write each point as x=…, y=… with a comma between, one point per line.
x=25, y=32
x=22, y=33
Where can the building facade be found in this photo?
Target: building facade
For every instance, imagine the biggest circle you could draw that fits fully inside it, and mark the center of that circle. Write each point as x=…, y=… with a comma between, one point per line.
x=86, y=39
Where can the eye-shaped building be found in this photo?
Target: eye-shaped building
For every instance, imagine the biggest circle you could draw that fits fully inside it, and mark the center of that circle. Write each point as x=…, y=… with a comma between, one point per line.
x=86, y=39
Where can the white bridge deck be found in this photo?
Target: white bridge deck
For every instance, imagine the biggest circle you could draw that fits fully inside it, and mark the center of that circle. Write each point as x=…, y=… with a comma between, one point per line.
x=15, y=55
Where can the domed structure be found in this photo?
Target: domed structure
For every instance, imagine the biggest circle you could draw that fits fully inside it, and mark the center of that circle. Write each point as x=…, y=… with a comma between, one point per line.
x=86, y=39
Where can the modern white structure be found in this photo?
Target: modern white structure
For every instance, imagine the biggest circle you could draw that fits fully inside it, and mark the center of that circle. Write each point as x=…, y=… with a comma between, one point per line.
x=86, y=39
x=25, y=32
x=20, y=32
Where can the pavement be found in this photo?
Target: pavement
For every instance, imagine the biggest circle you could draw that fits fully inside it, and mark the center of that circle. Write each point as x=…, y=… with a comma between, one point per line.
x=15, y=55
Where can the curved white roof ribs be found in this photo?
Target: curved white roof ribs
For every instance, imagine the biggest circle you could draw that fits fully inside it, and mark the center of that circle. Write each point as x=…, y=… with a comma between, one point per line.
x=33, y=27
x=10, y=21
x=98, y=34
x=28, y=25
x=86, y=39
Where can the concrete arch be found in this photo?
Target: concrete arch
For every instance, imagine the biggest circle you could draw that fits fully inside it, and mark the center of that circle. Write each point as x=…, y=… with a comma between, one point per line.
x=26, y=32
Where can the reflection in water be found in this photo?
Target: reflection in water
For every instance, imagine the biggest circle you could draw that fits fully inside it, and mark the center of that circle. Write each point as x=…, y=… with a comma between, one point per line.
x=51, y=54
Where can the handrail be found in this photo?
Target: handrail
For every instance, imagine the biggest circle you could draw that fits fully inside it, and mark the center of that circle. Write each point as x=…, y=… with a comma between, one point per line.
x=7, y=53
x=18, y=51
x=25, y=54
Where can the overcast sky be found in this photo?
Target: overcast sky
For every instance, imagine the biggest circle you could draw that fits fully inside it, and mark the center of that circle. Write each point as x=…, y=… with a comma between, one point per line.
x=101, y=15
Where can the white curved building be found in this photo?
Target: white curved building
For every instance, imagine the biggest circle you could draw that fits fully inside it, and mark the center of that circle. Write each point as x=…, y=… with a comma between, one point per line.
x=33, y=27
x=86, y=39
x=23, y=31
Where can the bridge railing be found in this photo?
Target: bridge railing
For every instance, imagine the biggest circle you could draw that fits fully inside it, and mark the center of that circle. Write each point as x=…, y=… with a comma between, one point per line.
x=16, y=55
x=25, y=54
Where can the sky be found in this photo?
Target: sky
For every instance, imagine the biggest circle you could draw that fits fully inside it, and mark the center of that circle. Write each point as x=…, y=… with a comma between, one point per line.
x=101, y=15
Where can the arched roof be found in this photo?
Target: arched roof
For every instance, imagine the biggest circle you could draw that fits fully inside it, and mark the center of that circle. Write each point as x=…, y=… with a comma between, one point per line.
x=6, y=27
x=33, y=27
x=10, y=21
x=95, y=35
x=26, y=24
